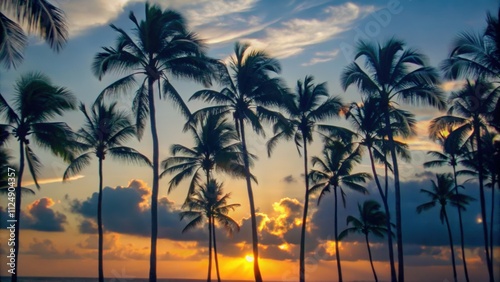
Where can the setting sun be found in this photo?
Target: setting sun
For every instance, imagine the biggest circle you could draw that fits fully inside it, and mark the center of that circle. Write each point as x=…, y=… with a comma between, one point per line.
x=249, y=258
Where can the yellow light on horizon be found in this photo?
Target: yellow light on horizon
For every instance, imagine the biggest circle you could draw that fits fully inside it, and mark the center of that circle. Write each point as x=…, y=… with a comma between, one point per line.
x=249, y=258
x=479, y=220
x=283, y=247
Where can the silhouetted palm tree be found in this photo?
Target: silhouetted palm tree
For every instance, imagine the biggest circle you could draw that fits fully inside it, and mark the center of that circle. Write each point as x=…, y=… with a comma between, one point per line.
x=210, y=202
x=161, y=48
x=36, y=102
x=475, y=104
x=246, y=92
x=443, y=193
x=104, y=131
x=453, y=153
x=37, y=15
x=368, y=124
x=306, y=107
x=371, y=220
x=335, y=172
x=216, y=148
x=476, y=54
x=490, y=174
x=394, y=72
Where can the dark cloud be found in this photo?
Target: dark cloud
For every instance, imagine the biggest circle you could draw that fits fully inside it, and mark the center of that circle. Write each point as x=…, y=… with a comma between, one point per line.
x=126, y=210
x=425, y=175
x=87, y=226
x=45, y=249
x=424, y=235
x=289, y=179
x=39, y=216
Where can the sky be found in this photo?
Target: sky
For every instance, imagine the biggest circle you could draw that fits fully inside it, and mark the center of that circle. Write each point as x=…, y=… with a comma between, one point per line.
x=309, y=38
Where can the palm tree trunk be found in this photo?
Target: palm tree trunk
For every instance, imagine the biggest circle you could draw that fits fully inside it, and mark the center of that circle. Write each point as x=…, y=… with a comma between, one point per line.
x=451, y=244
x=209, y=275
x=302, y=267
x=388, y=217
x=17, y=210
x=255, y=238
x=215, y=251
x=370, y=256
x=462, y=244
x=493, y=182
x=99, y=224
x=154, y=194
x=482, y=199
x=337, y=254
x=395, y=168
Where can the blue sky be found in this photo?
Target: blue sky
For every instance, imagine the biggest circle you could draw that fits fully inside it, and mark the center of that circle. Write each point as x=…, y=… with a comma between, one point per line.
x=309, y=38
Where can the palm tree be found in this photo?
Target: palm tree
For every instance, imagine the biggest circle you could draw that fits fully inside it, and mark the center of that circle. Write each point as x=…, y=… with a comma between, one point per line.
x=104, y=132
x=453, y=153
x=443, y=193
x=490, y=175
x=371, y=220
x=245, y=94
x=216, y=148
x=334, y=172
x=476, y=54
x=39, y=16
x=307, y=106
x=394, y=72
x=475, y=104
x=162, y=47
x=368, y=125
x=37, y=101
x=208, y=201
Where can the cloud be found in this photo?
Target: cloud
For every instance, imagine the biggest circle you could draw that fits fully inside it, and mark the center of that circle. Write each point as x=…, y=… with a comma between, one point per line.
x=294, y=35
x=53, y=180
x=289, y=179
x=127, y=210
x=452, y=85
x=421, y=232
x=39, y=216
x=322, y=57
x=45, y=249
x=93, y=14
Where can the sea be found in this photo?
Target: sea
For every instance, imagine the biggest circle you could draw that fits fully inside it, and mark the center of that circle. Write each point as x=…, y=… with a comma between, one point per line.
x=82, y=279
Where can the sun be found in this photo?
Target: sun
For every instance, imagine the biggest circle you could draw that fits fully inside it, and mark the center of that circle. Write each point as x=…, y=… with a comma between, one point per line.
x=249, y=258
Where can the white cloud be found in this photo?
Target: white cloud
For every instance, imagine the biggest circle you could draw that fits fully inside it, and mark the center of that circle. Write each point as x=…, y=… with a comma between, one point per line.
x=322, y=57
x=296, y=34
x=198, y=12
x=93, y=13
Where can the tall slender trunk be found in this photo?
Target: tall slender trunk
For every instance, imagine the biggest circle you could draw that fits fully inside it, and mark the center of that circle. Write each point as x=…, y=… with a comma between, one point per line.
x=388, y=217
x=302, y=268
x=337, y=253
x=460, y=222
x=154, y=194
x=99, y=224
x=209, y=275
x=451, y=244
x=482, y=199
x=255, y=238
x=215, y=251
x=493, y=182
x=370, y=256
x=397, y=190
x=17, y=210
